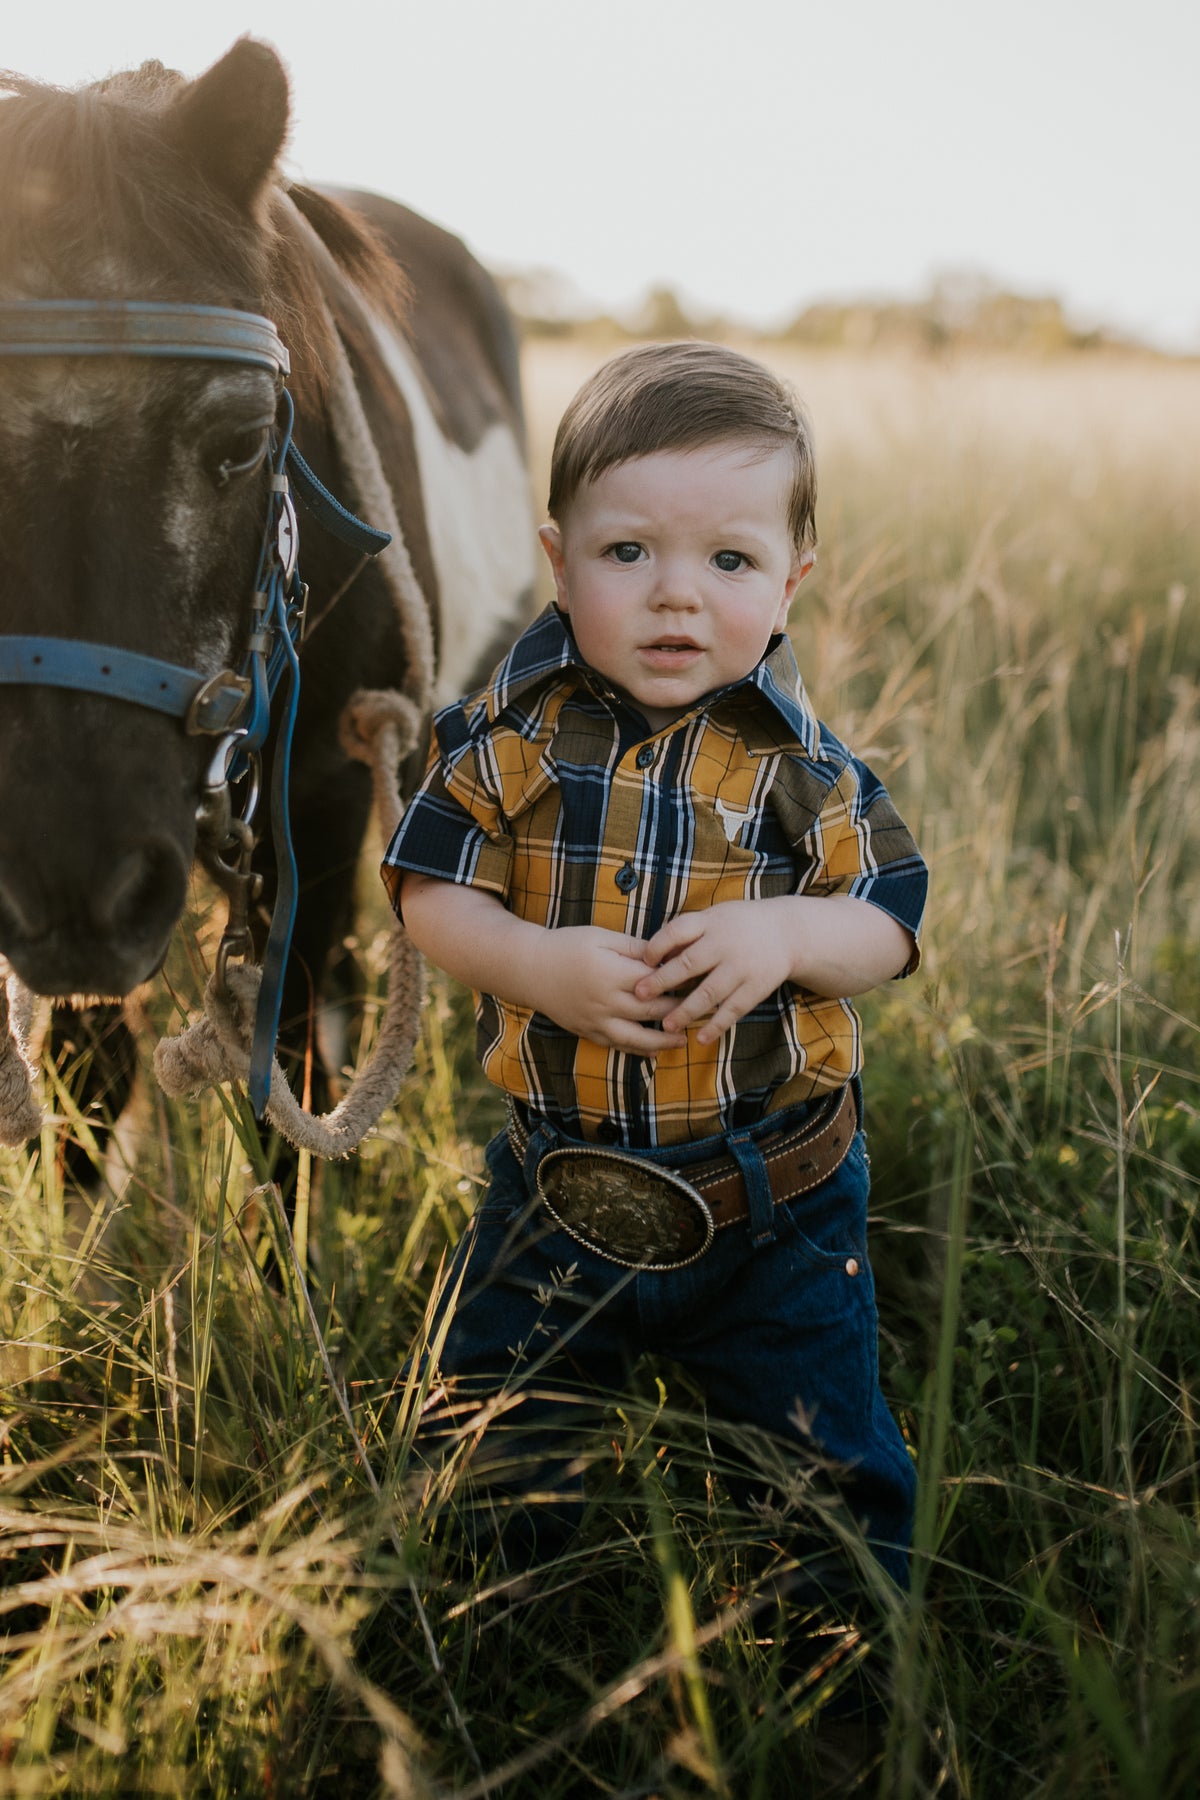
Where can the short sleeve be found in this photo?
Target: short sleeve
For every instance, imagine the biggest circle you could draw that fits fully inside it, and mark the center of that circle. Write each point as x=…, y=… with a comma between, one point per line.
x=452, y=829
x=849, y=839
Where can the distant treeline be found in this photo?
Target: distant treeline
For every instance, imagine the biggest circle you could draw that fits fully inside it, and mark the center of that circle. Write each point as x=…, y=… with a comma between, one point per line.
x=959, y=311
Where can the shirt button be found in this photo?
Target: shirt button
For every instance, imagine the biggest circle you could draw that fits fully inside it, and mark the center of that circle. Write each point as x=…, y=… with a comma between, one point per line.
x=608, y=1131
x=645, y=756
x=627, y=878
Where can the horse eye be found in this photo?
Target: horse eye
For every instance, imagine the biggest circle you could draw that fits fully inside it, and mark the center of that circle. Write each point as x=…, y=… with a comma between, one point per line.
x=238, y=455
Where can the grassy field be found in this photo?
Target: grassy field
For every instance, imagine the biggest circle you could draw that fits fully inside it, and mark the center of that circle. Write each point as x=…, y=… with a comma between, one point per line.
x=225, y=1574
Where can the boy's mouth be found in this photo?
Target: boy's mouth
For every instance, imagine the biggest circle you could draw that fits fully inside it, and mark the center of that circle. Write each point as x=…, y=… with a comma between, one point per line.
x=671, y=647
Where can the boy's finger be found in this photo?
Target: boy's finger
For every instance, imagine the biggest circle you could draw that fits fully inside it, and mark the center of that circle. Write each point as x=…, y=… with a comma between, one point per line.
x=723, y=1020
x=635, y=947
x=718, y=1023
x=641, y=1011
x=642, y=1040
x=699, y=1004
x=734, y=1006
x=674, y=977
x=671, y=939
x=647, y=986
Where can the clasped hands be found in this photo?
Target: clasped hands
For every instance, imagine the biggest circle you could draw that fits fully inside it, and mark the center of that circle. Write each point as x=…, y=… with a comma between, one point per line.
x=704, y=969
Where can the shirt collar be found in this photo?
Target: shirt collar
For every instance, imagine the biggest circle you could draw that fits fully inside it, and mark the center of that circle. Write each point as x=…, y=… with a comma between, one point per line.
x=546, y=649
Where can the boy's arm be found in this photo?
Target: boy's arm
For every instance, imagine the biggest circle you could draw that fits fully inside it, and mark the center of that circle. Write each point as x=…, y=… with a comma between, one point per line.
x=740, y=951
x=581, y=976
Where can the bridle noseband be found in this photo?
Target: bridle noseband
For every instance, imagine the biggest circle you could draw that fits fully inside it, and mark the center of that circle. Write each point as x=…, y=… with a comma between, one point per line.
x=233, y=706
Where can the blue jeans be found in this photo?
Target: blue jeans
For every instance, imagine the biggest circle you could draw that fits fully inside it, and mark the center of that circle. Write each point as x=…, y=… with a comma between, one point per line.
x=776, y=1324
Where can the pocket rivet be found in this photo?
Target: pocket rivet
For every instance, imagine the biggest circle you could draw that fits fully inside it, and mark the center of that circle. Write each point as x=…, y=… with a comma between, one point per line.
x=852, y=1266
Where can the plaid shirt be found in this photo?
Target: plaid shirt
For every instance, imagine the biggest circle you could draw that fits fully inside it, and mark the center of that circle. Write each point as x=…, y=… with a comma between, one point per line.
x=546, y=789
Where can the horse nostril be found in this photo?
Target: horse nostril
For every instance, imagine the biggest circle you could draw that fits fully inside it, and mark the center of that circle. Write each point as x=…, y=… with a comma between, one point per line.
x=143, y=892
x=9, y=925
x=14, y=921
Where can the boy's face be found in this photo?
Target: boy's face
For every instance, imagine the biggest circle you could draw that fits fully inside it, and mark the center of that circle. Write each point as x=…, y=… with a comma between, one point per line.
x=676, y=569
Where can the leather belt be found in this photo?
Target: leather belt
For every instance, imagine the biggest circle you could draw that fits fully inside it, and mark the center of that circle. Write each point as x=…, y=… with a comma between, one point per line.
x=648, y=1215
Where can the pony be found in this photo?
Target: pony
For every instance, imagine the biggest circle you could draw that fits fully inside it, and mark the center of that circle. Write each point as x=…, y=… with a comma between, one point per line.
x=133, y=492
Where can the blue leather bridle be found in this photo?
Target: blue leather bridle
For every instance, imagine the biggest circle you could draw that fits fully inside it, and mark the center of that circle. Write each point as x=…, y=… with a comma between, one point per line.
x=234, y=706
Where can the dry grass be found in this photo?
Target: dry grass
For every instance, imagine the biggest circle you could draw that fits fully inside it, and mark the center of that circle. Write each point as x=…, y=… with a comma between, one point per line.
x=226, y=1576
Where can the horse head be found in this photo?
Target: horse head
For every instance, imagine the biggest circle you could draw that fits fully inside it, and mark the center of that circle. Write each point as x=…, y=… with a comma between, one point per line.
x=132, y=490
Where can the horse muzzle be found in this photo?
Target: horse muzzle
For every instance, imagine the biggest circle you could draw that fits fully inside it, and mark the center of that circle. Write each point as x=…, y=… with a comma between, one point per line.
x=114, y=933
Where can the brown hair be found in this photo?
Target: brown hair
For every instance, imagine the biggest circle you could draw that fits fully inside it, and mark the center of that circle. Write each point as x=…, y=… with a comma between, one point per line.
x=680, y=397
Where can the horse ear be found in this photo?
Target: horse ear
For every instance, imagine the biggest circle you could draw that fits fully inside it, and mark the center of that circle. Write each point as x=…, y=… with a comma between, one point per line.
x=232, y=121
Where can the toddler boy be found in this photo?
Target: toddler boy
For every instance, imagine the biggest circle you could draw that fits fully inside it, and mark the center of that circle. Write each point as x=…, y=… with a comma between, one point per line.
x=665, y=878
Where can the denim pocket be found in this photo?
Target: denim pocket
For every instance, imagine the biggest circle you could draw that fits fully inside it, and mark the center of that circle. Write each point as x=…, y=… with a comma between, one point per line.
x=827, y=1227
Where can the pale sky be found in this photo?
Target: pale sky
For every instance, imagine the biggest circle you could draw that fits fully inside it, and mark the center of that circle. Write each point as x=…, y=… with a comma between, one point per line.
x=755, y=155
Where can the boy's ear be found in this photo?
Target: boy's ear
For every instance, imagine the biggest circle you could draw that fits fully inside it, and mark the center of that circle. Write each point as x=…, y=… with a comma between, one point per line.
x=799, y=569
x=552, y=544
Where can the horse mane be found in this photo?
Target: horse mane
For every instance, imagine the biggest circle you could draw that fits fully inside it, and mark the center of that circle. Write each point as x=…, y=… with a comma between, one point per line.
x=302, y=303
x=89, y=175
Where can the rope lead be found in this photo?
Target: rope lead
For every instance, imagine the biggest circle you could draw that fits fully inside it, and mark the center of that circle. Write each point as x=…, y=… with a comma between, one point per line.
x=20, y=1114
x=379, y=728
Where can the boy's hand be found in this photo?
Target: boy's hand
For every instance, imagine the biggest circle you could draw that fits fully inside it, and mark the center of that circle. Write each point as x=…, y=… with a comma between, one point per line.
x=737, y=953
x=587, y=980
x=734, y=953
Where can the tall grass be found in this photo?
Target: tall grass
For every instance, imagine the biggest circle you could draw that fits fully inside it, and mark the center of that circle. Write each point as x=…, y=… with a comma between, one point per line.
x=227, y=1573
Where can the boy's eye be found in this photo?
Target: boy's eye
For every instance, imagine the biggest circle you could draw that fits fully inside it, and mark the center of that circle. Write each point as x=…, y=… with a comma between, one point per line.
x=730, y=561
x=625, y=553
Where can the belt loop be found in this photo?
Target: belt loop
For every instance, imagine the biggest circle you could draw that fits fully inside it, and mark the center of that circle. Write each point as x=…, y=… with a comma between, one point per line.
x=541, y=1142
x=753, y=1170
x=528, y=1147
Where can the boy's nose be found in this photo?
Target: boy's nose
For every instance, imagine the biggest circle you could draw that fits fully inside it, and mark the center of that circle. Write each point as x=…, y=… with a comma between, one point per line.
x=676, y=591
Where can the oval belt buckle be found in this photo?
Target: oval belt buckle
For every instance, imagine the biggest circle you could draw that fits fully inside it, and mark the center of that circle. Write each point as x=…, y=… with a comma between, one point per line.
x=631, y=1212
